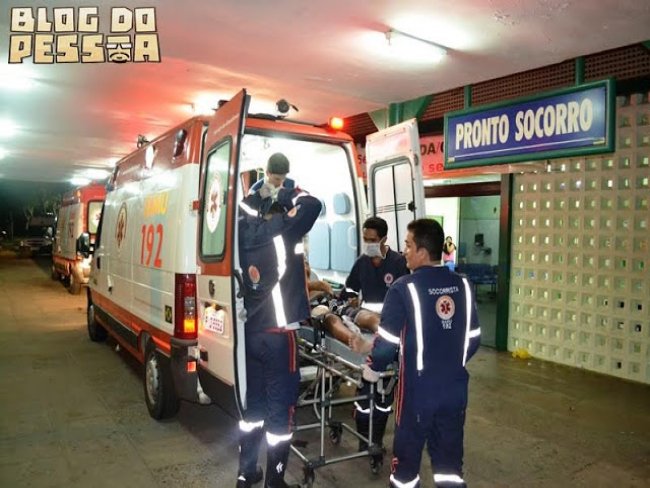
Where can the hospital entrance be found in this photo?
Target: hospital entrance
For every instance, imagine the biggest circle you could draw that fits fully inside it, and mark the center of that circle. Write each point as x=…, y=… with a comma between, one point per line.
x=469, y=210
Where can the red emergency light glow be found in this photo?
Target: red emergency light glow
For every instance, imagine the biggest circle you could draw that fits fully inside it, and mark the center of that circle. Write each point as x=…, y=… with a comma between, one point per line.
x=336, y=123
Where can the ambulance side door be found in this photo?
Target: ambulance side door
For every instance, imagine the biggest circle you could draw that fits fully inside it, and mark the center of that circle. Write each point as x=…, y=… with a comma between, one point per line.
x=219, y=344
x=395, y=188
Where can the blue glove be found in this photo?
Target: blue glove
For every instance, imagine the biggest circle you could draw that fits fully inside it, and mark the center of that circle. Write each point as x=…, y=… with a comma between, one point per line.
x=286, y=196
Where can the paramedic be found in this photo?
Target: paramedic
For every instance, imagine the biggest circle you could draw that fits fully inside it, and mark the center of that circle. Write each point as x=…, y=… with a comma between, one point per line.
x=430, y=317
x=372, y=274
x=275, y=300
x=277, y=168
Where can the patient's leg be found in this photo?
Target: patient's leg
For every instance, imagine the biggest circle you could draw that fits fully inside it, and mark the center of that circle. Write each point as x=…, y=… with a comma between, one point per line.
x=335, y=327
x=367, y=320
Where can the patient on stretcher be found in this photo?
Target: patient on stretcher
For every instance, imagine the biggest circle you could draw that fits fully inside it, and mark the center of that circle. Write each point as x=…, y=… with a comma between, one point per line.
x=340, y=315
x=346, y=322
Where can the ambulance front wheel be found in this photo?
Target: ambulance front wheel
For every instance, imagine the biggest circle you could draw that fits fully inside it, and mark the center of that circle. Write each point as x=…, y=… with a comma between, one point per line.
x=159, y=392
x=96, y=332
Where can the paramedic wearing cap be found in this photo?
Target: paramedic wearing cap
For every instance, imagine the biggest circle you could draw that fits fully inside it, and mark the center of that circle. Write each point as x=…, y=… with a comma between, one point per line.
x=277, y=168
x=430, y=316
x=275, y=299
x=372, y=274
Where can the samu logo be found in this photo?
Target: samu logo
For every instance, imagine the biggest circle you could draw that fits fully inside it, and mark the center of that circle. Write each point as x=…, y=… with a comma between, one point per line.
x=73, y=35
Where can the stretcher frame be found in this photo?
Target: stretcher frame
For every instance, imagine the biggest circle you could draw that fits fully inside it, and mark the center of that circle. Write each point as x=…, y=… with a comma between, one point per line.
x=335, y=362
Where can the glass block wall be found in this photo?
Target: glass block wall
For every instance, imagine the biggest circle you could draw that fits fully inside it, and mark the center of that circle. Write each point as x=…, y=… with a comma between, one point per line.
x=580, y=275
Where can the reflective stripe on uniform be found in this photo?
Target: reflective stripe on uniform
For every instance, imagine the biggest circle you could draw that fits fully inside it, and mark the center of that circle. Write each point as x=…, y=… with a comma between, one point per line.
x=294, y=200
x=274, y=439
x=281, y=254
x=448, y=478
x=247, y=209
x=250, y=426
x=276, y=293
x=278, y=305
x=387, y=336
x=384, y=409
x=409, y=484
x=468, y=316
x=361, y=410
x=417, y=312
x=373, y=307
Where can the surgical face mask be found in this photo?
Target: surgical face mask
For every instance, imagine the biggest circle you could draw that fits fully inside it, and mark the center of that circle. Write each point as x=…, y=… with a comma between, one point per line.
x=274, y=189
x=372, y=249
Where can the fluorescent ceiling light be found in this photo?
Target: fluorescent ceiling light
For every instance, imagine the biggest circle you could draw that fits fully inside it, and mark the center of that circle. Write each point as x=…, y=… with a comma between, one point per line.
x=16, y=77
x=79, y=181
x=414, y=48
x=3, y=153
x=96, y=174
x=7, y=128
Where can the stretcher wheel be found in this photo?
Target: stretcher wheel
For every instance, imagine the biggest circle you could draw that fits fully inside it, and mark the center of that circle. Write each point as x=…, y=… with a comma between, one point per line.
x=335, y=434
x=308, y=477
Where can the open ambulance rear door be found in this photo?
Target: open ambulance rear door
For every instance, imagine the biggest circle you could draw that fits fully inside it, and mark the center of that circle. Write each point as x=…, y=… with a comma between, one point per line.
x=395, y=188
x=220, y=344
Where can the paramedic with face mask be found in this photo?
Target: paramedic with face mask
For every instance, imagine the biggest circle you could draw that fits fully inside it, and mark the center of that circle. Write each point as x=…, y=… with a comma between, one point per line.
x=372, y=275
x=275, y=299
x=277, y=168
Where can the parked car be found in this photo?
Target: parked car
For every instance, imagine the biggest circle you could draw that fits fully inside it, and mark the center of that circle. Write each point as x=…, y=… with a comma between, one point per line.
x=38, y=240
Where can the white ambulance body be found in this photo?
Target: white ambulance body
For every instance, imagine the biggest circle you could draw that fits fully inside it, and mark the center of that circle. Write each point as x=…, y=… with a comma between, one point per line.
x=165, y=277
x=79, y=213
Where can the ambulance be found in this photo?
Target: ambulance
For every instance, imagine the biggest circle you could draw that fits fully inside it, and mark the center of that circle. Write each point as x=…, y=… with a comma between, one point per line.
x=78, y=215
x=166, y=282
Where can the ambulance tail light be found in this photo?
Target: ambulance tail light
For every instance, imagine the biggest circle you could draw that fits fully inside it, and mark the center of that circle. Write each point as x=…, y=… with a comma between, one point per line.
x=185, y=307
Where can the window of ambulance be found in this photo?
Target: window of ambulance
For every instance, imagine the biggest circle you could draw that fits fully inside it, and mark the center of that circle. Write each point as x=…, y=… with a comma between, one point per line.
x=93, y=216
x=215, y=194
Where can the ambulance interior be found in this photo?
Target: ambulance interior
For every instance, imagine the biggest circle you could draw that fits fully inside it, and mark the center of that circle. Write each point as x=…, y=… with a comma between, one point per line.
x=325, y=170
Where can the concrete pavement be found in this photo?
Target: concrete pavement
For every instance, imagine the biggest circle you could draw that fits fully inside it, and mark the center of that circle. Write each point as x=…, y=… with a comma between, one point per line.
x=72, y=414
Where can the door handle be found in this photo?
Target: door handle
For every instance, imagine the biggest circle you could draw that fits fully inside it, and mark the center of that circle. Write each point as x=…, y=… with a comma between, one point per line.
x=240, y=281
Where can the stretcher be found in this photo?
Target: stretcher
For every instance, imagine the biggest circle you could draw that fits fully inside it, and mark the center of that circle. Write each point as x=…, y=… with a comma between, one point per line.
x=333, y=363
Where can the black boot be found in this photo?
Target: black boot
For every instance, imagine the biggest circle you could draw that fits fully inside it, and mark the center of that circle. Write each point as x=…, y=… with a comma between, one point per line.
x=249, y=448
x=276, y=464
x=363, y=426
x=379, y=421
x=248, y=480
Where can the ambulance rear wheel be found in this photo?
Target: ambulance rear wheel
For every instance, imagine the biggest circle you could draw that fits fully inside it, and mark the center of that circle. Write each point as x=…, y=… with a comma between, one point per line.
x=74, y=286
x=159, y=392
x=96, y=332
